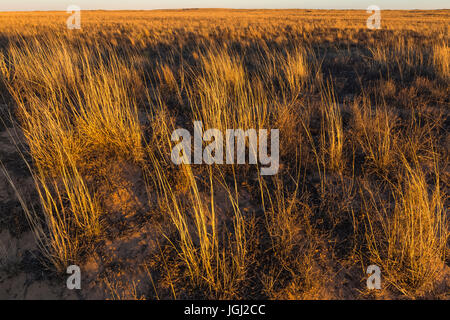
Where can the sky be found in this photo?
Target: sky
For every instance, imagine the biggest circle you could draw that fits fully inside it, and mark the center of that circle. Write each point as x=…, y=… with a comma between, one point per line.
x=61, y=5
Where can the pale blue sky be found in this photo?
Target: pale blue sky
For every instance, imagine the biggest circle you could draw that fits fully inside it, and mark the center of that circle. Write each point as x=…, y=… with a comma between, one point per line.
x=8, y=5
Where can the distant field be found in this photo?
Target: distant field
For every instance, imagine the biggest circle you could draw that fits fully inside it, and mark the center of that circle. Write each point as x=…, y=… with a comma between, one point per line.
x=87, y=176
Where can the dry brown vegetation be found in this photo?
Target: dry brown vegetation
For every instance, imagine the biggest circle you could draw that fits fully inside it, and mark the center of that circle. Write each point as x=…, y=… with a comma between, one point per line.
x=364, y=148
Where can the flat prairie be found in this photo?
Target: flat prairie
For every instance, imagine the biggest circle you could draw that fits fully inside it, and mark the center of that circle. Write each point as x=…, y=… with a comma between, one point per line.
x=87, y=178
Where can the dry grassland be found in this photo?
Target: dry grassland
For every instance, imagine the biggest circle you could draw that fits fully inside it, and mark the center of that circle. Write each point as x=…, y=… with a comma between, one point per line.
x=85, y=144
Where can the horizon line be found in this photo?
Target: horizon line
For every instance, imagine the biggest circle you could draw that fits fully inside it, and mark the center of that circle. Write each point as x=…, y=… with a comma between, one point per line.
x=197, y=8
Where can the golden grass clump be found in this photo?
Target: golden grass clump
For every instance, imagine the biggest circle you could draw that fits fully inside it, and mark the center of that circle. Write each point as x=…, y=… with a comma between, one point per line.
x=375, y=134
x=224, y=97
x=332, y=133
x=74, y=104
x=409, y=241
x=210, y=264
x=441, y=57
